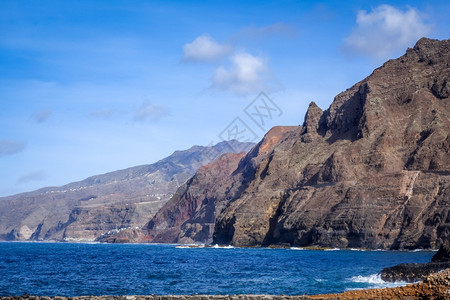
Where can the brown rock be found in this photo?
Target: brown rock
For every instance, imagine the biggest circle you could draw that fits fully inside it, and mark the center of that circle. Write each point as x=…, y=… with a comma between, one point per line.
x=443, y=255
x=371, y=172
x=190, y=216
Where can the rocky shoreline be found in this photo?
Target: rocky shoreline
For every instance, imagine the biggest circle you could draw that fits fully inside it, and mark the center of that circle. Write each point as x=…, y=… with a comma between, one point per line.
x=418, y=272
x=435, y=286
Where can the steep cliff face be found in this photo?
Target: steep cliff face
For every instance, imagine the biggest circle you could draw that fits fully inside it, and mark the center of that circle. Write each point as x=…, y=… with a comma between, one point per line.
x=371, y=171
x=103, y=204
x=190, y=215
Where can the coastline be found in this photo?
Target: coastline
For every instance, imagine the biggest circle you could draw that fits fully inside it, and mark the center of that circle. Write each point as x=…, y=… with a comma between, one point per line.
x=435, y=286
x=225, y=246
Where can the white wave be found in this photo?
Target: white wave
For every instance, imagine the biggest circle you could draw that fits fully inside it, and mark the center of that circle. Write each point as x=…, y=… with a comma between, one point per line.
x=189, y=246
x=222, y=247
x=333, y=249
x=297, y=248
x=422, y=250
x=356, y=249
x=375, y=281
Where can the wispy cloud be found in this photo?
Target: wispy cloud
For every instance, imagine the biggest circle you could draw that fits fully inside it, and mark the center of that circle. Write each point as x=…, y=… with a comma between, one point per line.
x=245, y=74
x=205, y=48
x=385, y=30
x=152, y=112
x=10, y=147
x=32, y=176
x=41, y=116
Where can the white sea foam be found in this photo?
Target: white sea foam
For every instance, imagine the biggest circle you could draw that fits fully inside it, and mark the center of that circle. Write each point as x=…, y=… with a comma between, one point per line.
x=202, y=246
x=334, y=249
x=372, y=279
x=422, y=250
x=189, y=246
x=297, y=248
x=375, y=281
x=223, y=247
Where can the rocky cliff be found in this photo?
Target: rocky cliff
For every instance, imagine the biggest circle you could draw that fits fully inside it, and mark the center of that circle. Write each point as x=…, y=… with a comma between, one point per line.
x=371, y=171
x=103, y=204
x=190, y=215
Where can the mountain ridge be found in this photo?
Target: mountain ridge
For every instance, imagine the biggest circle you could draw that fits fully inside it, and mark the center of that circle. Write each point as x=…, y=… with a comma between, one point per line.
x=83, y=210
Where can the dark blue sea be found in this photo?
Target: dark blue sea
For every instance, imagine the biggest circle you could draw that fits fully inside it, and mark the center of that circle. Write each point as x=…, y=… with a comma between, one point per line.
x=66, y=269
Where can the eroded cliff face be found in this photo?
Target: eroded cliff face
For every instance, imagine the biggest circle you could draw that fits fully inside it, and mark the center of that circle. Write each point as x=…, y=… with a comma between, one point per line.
x=371, y=171
x=190, y=216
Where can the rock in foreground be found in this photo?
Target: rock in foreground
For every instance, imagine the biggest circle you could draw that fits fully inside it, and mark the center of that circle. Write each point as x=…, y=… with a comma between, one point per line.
x=418, y=272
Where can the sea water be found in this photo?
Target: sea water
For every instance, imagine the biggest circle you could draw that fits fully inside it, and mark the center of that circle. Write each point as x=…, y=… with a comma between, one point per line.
x=67, y=269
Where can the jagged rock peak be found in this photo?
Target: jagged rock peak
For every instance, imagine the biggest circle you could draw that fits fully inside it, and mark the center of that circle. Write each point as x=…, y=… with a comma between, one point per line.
x=312, y=118
x=272, y=137
x=428, y=50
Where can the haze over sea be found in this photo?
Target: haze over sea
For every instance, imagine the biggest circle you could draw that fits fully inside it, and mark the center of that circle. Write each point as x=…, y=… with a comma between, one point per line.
x=67, y=269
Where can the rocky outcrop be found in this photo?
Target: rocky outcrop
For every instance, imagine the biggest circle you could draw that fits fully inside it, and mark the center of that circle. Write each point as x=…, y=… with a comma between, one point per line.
x=103, y=204
x=371, y=171
x=412, y=272
x=443, y=255
x=418, y=272
x=435, y=286
x=190, y=216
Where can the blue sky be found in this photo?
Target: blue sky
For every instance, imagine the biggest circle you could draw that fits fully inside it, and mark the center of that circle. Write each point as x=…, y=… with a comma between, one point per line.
x=88, y=87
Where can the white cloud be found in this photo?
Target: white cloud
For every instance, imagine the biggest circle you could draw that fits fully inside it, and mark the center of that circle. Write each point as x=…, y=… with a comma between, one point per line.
x=244, y=76
x=42, y=116
x=10, y=147
x=385, y=30
x=204, y=48
x=152, y=112
x=32, y=176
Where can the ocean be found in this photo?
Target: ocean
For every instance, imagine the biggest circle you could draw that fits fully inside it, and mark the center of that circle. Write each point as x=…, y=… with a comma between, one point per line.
x=74, y=269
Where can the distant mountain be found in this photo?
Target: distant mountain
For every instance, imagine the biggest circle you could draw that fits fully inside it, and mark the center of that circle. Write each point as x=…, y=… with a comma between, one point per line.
x=102, y=204
x=371, y=171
